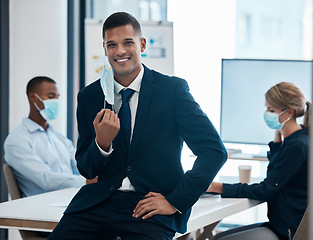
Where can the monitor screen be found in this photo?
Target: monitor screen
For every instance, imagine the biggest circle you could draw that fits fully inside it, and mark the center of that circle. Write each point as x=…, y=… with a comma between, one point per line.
x=244, y=84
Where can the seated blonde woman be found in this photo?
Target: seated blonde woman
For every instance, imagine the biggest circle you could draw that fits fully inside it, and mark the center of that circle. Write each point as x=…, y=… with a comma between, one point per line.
x=285, y=186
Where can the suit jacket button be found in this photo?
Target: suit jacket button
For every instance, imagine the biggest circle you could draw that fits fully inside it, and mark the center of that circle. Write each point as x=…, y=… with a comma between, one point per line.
x=129, y=168
x=112, y=188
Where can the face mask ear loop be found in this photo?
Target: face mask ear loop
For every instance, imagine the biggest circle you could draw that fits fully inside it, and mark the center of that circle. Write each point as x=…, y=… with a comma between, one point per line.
x=35, y=104
x=38, y=97
x=283, y=123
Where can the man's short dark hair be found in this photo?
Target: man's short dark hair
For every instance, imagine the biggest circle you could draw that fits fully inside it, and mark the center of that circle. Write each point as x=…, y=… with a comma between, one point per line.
x=33, y=84
x=119, y=19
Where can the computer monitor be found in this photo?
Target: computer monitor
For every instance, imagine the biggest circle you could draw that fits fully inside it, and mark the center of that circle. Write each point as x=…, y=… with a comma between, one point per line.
x=244, y=84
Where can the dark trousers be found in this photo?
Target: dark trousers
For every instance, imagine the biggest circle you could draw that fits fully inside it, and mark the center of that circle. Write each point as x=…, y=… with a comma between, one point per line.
x=108, y=220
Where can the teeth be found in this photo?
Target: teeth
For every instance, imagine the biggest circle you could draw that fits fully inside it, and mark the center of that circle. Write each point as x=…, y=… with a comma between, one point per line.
x=122, y=60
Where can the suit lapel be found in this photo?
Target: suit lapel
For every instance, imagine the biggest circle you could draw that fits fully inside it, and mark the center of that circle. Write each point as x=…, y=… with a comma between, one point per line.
x=144, y=100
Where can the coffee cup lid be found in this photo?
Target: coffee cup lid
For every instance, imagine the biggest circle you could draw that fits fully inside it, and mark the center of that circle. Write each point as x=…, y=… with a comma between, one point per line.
x=245, y=167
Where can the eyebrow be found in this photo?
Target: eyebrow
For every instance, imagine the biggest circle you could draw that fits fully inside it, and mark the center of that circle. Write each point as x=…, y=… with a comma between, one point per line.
x=126, y=39
x=54, y=94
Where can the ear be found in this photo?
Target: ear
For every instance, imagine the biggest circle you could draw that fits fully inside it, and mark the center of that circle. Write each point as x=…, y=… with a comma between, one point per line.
x=31, y=97
x=105, y=50
x=143, y=44
x=291, y=111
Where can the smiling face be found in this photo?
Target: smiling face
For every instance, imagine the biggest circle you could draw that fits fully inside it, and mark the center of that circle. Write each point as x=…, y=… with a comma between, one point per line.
x=123, y=47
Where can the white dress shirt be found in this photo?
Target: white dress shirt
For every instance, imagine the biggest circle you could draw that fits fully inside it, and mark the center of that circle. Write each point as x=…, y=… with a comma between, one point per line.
x=133, y=104
x=42, y=161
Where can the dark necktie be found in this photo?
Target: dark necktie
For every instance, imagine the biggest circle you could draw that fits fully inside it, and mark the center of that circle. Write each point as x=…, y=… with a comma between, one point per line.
x=125, y=115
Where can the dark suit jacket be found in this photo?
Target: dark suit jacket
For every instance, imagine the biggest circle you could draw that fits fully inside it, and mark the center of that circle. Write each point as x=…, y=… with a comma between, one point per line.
x=166, y=116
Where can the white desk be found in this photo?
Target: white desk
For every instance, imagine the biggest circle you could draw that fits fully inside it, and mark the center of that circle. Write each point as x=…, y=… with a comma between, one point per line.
x=245, y=156
x=38, y=212
x=210, y=210
x=42, y=212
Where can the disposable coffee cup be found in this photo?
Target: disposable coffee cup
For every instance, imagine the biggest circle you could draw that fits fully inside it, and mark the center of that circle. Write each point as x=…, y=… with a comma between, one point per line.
x=244, y=173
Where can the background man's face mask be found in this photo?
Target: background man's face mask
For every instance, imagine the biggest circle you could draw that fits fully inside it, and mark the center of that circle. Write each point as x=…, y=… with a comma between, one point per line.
x=272, y=120
x=51, y=110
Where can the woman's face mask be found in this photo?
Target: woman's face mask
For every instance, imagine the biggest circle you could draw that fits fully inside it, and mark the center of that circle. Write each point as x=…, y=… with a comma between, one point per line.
x=272, y=120
x=51, y=110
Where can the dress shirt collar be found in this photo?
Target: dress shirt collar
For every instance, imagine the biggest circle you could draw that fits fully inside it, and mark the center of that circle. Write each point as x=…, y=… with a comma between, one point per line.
x=32, y=126
x=135, y=85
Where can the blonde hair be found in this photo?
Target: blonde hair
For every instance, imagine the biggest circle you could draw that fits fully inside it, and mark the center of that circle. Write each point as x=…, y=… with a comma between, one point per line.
x=286, y=95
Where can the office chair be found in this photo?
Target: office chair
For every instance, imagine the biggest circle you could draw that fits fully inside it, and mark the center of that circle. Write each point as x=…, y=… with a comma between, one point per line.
x=15, y=193
x=302, y=232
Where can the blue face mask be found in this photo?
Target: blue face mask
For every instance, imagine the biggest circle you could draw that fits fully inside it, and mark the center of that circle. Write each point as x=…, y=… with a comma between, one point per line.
x=272, y=120
x=51, y=110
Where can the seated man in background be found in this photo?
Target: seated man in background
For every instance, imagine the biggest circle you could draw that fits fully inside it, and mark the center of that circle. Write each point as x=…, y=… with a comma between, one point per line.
x=41, y=158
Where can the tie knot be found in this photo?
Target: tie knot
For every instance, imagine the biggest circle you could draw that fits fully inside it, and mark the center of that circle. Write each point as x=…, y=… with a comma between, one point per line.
x=126, y=94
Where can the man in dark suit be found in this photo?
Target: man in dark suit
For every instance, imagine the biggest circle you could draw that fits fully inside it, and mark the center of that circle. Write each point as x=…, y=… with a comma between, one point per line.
x=142, y=191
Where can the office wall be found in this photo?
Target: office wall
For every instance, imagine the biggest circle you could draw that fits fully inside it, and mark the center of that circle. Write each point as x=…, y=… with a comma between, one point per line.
x=204, y=33
x=38, y=46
